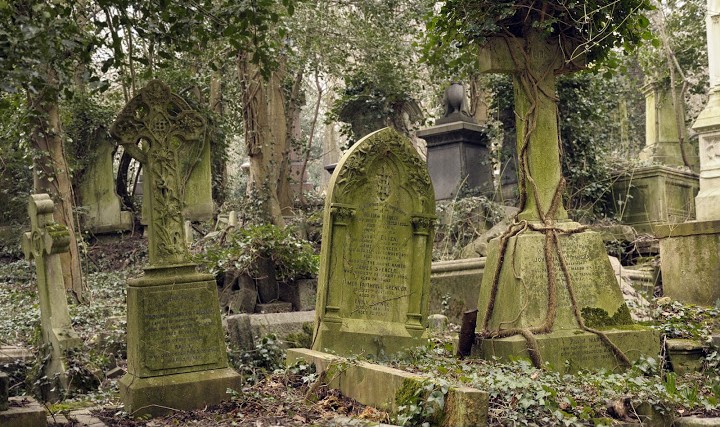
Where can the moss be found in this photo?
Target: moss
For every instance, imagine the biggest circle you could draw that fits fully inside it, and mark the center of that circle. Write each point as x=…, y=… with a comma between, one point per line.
x=301, y=339
x=409, y=392
x=598, y=318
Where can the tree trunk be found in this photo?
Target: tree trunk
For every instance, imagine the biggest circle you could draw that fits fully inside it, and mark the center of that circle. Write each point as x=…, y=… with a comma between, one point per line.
x=265, y=136
x=51, y=175
x=219, y=154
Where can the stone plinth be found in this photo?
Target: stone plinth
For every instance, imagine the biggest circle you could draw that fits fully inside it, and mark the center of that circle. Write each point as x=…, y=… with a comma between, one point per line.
x=690, y=266
x=655, y=195
x=458, y=155
x=378, y=231
x=176, y=346
x=522, y=298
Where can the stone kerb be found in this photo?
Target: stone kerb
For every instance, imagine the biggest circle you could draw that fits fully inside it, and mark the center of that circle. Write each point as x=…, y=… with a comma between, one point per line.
x=377, y=243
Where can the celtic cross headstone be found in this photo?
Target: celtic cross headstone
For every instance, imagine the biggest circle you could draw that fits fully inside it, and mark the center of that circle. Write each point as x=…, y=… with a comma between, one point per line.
x=176, y=346
x=44, y=244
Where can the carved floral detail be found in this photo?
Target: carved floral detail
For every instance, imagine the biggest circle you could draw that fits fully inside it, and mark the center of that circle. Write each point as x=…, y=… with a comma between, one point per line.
x=174, y=136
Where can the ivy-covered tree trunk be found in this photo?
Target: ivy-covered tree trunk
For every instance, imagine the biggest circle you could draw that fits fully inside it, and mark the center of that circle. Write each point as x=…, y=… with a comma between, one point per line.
x=265, y=137
x=52, y=176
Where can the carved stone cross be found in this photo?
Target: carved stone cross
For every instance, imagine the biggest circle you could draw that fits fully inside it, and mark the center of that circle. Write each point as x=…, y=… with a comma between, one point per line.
x=161, y=131
x=534, y=62
x=44, y=244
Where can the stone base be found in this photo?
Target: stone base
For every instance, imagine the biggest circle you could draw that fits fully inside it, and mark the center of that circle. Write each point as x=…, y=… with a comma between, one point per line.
x=454, y=286
x=367, y=337
x=157, y=396
x=274, y=307
x=24, y=412
x=522, y=296
x=690, y=254
x=573, y=350
x=654, y=196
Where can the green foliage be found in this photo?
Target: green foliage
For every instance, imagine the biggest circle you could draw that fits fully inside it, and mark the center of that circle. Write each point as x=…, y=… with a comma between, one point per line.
x=86, y=127
x=590, y=29
x=464, y=219
x=678, y=320
x=15, y=161
x=241, y=248
x=267, y=357
x=420, y=403
x=520, y=394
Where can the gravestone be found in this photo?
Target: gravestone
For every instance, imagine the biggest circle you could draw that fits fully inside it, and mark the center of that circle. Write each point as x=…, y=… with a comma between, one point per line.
x=664, y=192
x=378, y=231
x=690, y=251
x=101, y=206
x=458, y=151
x=528, y=305
x=176, y=347
x=44, y=244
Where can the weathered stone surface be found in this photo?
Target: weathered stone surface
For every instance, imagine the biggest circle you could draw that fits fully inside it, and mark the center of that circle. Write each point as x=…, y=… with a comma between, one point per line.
x=640, y=307
x=274, y=307
x=478, y=247
x=690, y=254
x=696, y=422
x=100, y=205
x=11, y=353
x=24, y=412
x=454, y=286
x=707, y=125
x=156, y=396
x=377, y=241
x=378, y=386
x=176, y=346
x=246, y=330
x=238, y=294
x=685, y=355
x=522, y=302
x=301, y=293
x=655, y=195
x=662, y=140
x=458, y=154
x=570, y=350
x=44, y=244
x=437, y=322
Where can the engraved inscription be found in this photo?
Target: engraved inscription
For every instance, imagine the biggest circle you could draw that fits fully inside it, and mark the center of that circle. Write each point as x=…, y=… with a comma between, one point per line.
x=377, y=266
x=179, y=330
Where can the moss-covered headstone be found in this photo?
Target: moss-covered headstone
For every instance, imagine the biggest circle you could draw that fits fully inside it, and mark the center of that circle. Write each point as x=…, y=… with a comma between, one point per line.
x=176, y=347
x=100, y=204
x=377, y=241
x=548, y=290
x=44, y=244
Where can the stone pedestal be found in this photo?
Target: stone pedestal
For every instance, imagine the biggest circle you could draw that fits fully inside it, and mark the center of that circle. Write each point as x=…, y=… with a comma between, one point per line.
x=176, y=346
x=690, y=255
x=522, y=302
x=655, y=195
x=458, y=155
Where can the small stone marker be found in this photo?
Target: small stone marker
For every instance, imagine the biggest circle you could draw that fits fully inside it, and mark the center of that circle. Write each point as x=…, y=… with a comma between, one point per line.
x=526, y=306
x=377, y=240
x=176, y=346
x=44, y=244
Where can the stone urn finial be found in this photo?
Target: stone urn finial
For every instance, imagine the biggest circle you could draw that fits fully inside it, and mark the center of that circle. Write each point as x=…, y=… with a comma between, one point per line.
x=454, y=103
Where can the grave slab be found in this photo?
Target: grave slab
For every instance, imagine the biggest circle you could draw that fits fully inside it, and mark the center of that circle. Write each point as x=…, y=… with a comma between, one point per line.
x=246, y=330
x=378, y=231
x=455, y=286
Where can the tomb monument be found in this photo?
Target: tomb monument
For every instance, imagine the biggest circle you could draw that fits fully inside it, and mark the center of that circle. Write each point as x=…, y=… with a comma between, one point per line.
x=176, y=346
x=548, y=290
x=375, y=259
x=690, y=251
